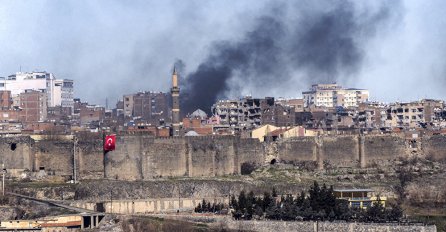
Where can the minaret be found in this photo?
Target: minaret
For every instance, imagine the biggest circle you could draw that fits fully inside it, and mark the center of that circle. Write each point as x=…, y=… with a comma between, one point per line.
x=175, y=91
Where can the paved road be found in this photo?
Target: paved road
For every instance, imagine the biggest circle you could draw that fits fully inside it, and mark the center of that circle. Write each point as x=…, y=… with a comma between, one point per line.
x=55, y=203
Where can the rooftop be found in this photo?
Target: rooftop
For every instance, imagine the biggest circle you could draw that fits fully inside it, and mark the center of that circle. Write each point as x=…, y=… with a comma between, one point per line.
x=353, y=190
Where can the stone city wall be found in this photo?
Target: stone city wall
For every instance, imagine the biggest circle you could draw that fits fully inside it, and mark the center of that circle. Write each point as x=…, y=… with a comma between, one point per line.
x=143, y=157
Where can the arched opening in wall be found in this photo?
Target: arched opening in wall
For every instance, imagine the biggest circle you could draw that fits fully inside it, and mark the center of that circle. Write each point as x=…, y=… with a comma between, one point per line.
x=13, y=146
x=273, y=161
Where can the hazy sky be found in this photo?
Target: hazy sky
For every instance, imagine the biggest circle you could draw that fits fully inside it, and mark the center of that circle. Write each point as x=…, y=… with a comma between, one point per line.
x=111, y=48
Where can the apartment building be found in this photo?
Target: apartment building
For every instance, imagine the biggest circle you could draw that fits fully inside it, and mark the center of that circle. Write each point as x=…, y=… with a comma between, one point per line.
x=245, y=113
x=150, y=107
x=417, y=114
x=33, y=105
x=333, y=95
x=59, y=91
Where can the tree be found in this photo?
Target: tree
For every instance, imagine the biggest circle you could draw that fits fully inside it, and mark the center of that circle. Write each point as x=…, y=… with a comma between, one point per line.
x=204, y=206
x=395, y=212
x=250, y=204
x=267, y=200
x=405, y=177
x=208, y=207
x=258, y=211
x=300, y=199
x=315, y=196
x=342, y=210
x=242, y=201
x=274, y=193
x=198, y=208
x=233, y=204
x=376, y=212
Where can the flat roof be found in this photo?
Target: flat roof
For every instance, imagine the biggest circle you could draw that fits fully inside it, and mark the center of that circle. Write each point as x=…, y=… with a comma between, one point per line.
x=353, y=190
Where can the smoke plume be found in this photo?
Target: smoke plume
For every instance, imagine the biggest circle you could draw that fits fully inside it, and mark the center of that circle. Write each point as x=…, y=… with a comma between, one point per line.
x=313, y=44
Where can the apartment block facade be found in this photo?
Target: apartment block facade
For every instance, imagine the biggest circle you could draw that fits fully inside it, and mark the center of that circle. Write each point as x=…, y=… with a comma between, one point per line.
x=59, y=91
x=333, y=95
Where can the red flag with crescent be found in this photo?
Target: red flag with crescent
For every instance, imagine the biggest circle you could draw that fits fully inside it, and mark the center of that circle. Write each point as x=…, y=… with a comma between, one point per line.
x=109, y=143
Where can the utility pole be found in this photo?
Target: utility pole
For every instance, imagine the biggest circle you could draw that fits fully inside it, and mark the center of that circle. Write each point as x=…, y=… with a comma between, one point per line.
x=179, y=197
x=74, y=159
x=111, y=200
x=3, y=178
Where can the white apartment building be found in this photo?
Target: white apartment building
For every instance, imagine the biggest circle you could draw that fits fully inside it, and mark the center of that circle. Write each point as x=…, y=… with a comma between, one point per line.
x=59, y=91
x=333, y=95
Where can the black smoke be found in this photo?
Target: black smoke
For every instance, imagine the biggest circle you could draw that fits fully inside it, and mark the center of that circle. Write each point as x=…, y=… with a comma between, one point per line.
x=257, y=55
x=324, y=43
x=328, y=46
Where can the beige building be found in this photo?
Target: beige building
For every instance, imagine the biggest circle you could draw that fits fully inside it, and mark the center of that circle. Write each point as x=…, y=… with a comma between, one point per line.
x=299, y=131
x=281, y=132
x=262, y=131
x=333, y=95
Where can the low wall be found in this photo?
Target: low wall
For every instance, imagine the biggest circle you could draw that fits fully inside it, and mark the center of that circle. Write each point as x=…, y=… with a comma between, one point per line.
x=274, y=226
x=149, y=206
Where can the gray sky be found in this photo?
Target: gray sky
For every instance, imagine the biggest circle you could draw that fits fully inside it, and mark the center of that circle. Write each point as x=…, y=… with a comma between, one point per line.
x=111, y=48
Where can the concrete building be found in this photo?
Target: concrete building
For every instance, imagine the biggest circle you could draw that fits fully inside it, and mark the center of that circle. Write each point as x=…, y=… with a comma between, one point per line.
x=333, y=95
x=33, y=105
x=146, y=107
x=296, y=103
x=59, y=91
x=418, y=114
x=242, y=114
x=91, y=113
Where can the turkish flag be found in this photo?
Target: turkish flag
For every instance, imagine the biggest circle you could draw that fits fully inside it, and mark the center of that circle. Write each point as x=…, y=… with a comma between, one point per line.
x=109, y=143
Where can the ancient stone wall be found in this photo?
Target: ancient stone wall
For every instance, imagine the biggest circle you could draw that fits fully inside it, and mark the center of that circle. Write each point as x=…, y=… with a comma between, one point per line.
x=298, y=150
x=247, y=151
x=54, y=156
x=165, y=157
x=89, y=158
x=342, y=151
x=142, y=157
x=126, y=161
x=381, y=150
x=16, y=152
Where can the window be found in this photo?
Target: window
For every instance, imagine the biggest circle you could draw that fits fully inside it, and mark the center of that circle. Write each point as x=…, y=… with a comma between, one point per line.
x=356, y=204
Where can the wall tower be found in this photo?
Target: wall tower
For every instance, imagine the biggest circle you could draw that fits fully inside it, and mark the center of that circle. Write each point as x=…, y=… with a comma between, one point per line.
x=175, y=91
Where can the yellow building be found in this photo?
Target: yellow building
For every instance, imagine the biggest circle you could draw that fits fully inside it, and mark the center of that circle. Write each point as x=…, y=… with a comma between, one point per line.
x=359, y=198
x=298, y=131
x=263, y=131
